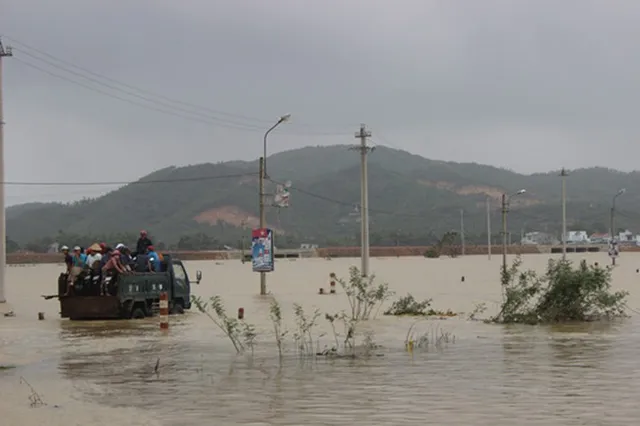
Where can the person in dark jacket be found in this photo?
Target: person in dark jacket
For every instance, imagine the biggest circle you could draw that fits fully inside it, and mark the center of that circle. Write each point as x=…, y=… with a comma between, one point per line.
x=143, y=243
x=142, y=263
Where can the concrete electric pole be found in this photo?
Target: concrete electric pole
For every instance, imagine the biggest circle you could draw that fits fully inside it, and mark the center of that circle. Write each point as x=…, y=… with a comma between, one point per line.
x=564, y=175
x=505, y=209
x=4, y=53
x=462, y=230
x=489, y=227
x=613, y=223
x=363, y=134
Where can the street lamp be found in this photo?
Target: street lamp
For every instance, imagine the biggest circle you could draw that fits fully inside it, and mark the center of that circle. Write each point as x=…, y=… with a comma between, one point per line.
x=281, y=120
x=263, y=176
x=505, y=209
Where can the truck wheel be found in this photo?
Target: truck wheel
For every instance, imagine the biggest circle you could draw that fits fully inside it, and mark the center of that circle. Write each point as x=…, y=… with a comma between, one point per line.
x=137, y=313
x=177, y=308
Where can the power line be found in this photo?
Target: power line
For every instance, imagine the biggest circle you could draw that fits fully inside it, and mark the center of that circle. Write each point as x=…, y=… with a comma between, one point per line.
x=346, y=203
x=138, y=182
x=200, y=111
x=104, y=77
x=135, y=95
x=120, y=98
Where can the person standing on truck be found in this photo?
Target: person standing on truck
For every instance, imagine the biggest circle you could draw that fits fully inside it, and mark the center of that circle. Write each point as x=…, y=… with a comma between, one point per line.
x=125, y=256
x=154, y=259
x=112, y=268
x=143, y=243
x=113, y=264
x=142, y=263
x=106, y=255
x=67, y=258
x=78, y=261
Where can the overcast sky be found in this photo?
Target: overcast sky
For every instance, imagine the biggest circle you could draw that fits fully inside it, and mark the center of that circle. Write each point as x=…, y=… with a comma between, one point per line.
x=529, y=85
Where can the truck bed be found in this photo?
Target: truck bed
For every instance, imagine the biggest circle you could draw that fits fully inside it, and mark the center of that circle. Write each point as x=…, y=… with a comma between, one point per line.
x=89, y=307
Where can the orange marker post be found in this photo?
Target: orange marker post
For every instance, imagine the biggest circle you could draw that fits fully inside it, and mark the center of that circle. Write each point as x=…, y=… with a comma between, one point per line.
x=164, y=310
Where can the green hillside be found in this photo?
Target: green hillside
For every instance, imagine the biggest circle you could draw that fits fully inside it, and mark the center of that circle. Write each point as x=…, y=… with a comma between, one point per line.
x=412, y=200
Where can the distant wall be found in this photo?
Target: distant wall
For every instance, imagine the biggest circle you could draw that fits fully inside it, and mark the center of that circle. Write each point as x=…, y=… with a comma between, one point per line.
x=416, y=251
x=26, y=258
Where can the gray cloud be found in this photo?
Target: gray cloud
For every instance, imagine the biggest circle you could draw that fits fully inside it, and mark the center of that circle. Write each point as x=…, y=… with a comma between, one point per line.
x=529, y=85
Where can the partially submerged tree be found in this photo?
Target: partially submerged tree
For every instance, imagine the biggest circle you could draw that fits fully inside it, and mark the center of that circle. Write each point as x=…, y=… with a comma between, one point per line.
x=564, y=293
x=444, y=246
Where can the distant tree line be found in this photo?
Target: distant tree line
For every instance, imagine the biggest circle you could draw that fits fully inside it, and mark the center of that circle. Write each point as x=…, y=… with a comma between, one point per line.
x=241, y=238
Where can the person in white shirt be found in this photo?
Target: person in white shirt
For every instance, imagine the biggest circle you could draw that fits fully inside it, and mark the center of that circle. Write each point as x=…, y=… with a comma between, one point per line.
x=92, y=258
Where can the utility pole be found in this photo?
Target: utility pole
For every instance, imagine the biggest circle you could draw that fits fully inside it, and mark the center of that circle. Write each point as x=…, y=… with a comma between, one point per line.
x=489, y=227
x=363, y=134
x=505, y=208
x=243, y=224
x=564, y=175
x=263, y=224
x=613, y=222
x=4, y=53
x=462, y=229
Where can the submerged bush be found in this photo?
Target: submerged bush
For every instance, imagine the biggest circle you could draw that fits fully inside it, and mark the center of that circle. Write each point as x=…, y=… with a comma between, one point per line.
x=365, y=299
x=363, y=294
x=434, y=338
x=241, y=334
x=564, y=293
x=432, y=253
x=409, y=306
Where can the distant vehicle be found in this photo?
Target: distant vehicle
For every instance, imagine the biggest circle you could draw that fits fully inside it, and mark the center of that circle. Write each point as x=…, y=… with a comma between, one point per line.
x=131, y=296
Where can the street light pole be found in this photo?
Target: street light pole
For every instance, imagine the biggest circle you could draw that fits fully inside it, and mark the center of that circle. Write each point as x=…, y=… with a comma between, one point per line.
x=4, y=53
x=564, y=175
x=281, y=120
x=505, y=209
x=263, y=177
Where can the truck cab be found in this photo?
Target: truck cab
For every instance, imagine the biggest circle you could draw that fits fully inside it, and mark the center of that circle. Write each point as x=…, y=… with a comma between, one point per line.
x=132, y=295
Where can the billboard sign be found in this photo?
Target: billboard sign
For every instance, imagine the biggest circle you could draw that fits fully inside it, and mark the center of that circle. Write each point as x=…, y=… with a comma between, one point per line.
x=262, y=250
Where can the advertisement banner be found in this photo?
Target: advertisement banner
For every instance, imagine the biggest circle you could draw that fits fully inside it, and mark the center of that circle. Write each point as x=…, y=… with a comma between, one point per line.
x=262, y=250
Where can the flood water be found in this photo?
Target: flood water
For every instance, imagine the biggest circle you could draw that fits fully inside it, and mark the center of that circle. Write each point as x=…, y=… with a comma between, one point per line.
x=102, y=373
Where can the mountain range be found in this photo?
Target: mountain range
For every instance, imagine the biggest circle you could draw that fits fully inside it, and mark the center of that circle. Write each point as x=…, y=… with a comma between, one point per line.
x=412, y=200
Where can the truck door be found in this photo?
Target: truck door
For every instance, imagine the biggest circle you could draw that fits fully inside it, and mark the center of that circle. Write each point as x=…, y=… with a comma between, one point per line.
x=180, y=282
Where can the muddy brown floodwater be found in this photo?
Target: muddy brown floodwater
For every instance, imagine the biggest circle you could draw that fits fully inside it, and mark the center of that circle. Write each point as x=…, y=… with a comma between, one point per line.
x=101, y=373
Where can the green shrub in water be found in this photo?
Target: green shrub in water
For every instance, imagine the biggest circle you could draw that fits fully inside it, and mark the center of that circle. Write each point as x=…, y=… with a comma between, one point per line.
x=564, y=293
x=408, y=305
x=432, y=253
